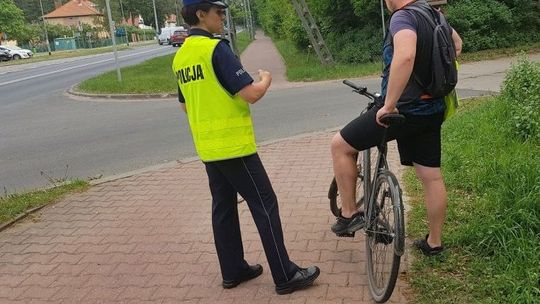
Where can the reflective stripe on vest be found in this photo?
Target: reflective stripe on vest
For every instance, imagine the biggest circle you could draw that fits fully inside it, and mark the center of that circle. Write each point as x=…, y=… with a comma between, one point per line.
x=220, y=123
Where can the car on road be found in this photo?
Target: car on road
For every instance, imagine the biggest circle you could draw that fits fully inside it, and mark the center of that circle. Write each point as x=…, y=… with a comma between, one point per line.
x=178, y=37
x=5, y=55
x=17, y=52
x=166, y=33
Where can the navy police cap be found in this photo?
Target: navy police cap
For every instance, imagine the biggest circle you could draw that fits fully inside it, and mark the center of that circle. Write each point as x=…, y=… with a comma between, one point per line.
x=216, y=3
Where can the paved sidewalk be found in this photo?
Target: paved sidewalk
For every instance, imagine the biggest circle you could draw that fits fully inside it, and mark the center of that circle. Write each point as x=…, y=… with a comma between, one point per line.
x=488, y=75
x=147, y=239
x=263, y=54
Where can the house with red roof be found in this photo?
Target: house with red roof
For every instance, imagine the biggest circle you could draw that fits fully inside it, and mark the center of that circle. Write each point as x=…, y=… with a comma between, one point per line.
x=75, y=13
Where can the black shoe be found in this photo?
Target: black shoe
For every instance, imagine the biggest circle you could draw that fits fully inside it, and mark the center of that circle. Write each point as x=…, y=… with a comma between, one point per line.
x=252, y=272
x=423, y=246
x=345, y=226
x=303, y=278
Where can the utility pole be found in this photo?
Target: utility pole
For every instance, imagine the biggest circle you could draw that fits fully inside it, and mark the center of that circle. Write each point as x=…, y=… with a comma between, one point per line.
x=250, y=20
x=246, y=17
x=314, y=35
x=111, y=28
x=122, y=9
x=124, y=20
x=45, y=27
x=382, y=20
x=177, y=13
x=230, y=29
x=155, y=17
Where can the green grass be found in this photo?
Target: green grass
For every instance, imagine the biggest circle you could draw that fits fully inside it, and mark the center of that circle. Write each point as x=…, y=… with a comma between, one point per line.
x=152, y=76
x=302, y=66
x=72, y=53
x=242, y=41
x=492, y=232
x=500, y=53
x=16, y=204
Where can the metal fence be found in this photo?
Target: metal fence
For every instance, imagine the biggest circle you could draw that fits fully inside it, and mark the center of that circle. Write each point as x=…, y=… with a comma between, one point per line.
x=88, y=42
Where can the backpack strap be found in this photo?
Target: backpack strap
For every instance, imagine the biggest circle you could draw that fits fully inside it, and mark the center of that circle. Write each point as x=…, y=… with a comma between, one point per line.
x=432, y=20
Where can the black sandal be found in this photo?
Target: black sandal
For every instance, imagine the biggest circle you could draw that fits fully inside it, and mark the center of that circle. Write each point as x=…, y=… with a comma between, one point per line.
x=427, y=250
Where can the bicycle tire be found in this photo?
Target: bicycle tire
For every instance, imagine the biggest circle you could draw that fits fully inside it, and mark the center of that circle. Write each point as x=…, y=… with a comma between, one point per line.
x=333, y=192
x=385, y=236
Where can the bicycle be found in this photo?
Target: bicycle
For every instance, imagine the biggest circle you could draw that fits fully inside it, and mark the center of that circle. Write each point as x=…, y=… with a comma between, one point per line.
x=383, y=210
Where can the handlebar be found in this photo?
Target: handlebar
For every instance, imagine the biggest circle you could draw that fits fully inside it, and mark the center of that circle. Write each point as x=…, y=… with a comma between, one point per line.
x=361, y=90
x=388, y=119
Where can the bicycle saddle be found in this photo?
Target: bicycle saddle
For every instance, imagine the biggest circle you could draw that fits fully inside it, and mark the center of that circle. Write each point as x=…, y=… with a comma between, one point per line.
x=393, y=119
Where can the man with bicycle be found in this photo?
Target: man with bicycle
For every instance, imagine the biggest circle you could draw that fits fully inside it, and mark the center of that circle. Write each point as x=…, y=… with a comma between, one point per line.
x=407, y=52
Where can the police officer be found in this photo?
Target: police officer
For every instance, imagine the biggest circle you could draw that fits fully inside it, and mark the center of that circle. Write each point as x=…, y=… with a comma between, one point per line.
x=215, y=92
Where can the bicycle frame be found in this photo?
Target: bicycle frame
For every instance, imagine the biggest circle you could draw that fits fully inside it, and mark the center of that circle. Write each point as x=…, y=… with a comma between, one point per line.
x=380, y=164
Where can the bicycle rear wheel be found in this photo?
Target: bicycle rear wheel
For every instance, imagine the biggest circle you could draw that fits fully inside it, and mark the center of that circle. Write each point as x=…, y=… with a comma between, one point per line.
x=333, y=192
x=385, y=236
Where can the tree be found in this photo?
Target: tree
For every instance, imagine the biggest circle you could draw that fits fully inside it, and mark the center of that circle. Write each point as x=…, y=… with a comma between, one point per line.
x=11, y=18
x=31, y=8
x=143, y=7
x=31, y=33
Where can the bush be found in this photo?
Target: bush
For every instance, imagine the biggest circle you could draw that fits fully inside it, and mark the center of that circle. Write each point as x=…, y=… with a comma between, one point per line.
x=356, y=46
x=351, y=28
x=489, y=24
x=521, y=90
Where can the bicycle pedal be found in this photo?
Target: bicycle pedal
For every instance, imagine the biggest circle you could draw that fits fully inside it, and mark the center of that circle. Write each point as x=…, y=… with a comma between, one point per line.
x=351, y=235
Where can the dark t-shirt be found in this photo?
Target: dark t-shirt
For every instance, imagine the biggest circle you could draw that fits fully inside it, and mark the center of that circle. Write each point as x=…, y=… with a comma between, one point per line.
x=410, y=102
x=229, y=71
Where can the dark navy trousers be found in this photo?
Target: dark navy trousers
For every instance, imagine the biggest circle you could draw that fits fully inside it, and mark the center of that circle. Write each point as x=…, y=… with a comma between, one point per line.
x=246, y=176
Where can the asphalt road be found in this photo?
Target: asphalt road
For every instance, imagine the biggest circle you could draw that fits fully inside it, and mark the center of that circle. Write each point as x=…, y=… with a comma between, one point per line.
x=42, y=130
x=46, y=135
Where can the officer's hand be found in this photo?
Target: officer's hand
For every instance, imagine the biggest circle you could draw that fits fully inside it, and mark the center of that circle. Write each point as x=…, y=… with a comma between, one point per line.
x=263, y=74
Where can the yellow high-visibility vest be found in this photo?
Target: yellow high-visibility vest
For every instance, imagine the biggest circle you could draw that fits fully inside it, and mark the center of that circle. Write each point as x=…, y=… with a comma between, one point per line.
x=220, y=123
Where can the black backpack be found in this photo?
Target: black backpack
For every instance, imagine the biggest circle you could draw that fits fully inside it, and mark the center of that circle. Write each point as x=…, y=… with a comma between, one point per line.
x=444, y=74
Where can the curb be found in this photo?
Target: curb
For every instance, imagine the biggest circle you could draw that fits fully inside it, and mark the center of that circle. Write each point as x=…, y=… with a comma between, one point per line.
x=73, y=90
x=20, y=217
x=191, y=159
x=33, y=210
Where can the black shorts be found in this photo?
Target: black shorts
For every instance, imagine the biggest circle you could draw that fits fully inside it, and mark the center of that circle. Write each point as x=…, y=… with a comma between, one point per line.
x=419, y=138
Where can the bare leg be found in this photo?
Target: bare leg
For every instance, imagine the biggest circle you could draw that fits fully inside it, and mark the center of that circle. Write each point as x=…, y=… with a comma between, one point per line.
x=345, y=171
x=435, y=197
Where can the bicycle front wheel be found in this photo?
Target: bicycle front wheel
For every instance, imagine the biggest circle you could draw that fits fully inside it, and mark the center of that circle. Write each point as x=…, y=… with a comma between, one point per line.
x=385, y=236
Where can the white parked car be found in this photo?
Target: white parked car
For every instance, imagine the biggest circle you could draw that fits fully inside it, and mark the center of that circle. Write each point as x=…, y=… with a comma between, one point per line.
x=17, y=52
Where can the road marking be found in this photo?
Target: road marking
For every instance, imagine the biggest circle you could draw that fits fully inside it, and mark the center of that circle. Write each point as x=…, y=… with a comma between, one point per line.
x=71, y=68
